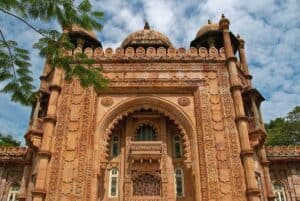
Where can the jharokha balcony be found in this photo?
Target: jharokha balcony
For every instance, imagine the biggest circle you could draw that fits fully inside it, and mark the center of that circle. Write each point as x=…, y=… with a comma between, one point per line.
x=145, y=151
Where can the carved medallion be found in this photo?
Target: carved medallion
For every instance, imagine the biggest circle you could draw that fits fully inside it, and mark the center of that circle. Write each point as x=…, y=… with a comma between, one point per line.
x=107, y=101
x=184, y=101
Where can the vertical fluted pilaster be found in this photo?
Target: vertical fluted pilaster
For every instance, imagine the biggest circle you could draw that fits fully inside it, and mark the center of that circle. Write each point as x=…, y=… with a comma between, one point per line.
x=44, y=152
x=241, y=120
x=243, y=60
x=255, y=112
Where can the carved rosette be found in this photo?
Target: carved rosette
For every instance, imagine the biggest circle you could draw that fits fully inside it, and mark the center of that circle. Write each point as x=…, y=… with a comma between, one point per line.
x=107, y=101
x=184, y=101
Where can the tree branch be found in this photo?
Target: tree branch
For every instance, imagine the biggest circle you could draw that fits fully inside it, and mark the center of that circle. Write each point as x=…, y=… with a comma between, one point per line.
x=10, y=54
x=25, y=22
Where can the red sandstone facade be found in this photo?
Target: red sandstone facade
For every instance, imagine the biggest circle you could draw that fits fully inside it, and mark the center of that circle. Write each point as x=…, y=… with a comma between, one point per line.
x=174, y=124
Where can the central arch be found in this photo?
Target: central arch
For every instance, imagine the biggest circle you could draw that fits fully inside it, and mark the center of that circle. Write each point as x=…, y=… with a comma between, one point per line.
x=126, y=107
x=169, y=109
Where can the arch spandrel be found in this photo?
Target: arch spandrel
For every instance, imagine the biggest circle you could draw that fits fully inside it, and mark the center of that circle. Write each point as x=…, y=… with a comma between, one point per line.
x=125, y=107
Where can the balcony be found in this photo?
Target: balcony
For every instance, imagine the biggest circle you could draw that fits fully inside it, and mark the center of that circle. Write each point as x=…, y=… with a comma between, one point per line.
x=145, y=151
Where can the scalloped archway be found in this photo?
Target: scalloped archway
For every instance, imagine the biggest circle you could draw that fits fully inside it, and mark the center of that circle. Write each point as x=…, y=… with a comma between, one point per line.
x=128, y=106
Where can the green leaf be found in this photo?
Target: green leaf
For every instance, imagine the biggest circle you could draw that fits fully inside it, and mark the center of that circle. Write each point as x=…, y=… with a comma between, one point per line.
x=85, y=6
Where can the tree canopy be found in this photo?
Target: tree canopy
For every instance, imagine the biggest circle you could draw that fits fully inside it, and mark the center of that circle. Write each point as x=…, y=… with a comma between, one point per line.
x=8, y=141
x=285, y=130
x=15, y=72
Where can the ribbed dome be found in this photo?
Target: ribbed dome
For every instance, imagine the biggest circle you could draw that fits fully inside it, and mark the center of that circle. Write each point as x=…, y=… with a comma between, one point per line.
x=207, y=28
x=146, y=38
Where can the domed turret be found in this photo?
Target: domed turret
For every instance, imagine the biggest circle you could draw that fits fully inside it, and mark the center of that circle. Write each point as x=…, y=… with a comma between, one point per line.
x=146, y=38
x=210, y=35
x=82, y=37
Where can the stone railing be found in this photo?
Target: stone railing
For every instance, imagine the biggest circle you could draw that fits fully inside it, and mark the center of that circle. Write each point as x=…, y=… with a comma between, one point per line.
x=283, y=153
x=146, y=149
x=152, y=53
x=291, y=150
x=12, y=154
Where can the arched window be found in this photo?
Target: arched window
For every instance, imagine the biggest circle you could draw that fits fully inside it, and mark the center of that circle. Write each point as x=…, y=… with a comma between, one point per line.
x=113, y=182
x=179, y=182
x=279, y=191
x=115, y=146
x=13, y=191
x=177, y=147
x=145, y=133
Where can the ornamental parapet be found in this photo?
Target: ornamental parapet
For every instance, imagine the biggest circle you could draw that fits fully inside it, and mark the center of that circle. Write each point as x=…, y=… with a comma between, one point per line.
x=152, y=53
x=283, y=153
x=12, y=154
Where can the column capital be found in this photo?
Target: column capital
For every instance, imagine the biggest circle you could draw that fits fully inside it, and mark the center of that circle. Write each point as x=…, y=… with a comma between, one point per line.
x=55, y=87
x=236, y=87
x=50, y=118
x=231, y=58
x=241, y=118
x=265, y=163
x=247, y=153
x=44, y=153
x=39, y=192
x=253, y=191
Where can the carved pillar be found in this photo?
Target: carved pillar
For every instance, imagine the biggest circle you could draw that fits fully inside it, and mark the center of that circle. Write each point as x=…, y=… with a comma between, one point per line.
x=243, y=60
x=255, y=112
x=44, y=153
x=265, y=166
x=127, y=191
x=35, y=113
x=164, y=160
x=241, y=120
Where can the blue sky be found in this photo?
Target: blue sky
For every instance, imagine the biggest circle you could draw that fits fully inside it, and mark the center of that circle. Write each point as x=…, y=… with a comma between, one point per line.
x=271, y=29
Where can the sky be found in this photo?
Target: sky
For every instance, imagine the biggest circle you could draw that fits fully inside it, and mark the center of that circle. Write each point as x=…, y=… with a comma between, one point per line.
x=271, y=29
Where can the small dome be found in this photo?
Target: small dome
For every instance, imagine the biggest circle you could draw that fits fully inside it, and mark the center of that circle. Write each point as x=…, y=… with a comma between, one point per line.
x=208, y=36
x=146, y=38
x=207, y=28
x=89, y=37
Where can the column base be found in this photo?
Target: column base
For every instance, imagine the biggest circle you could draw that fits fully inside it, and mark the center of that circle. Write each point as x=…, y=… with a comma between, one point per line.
x=253, y=192
x=271, y=197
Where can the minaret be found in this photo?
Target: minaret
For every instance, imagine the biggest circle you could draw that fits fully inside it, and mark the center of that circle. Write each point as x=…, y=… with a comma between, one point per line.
x=255, y=99
x=252, y=190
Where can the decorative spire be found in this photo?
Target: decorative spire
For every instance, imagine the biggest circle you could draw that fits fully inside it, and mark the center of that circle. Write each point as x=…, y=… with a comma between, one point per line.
x=224, y=23
x=146, y=26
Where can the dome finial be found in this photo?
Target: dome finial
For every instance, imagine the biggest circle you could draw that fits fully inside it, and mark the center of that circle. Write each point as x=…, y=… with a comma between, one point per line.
x=146, y=26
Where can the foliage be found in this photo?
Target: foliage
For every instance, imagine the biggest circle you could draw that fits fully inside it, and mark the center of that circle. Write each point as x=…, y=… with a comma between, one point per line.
x=8, y=141
x=285, y=131
x=14, y=61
